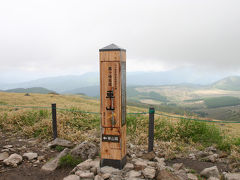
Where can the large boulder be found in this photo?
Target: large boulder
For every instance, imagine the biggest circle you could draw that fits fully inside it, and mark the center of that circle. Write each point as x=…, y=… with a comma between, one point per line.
x=13, y=160
x=85, y=150
x=54, y=163
x=210, y=172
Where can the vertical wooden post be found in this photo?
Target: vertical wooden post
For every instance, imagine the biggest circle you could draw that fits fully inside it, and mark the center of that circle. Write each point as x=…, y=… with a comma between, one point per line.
x=151, y=129
x=113, y=106
x=54, y=120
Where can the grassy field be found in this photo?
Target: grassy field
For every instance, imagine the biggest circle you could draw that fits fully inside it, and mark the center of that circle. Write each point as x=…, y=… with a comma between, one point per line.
x=78, y=126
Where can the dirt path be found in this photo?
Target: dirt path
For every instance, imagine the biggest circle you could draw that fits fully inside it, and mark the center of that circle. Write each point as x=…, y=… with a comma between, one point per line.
x=28, y=170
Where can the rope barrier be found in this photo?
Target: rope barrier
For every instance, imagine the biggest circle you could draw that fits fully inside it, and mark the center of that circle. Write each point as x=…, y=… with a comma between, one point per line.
x=134, y=113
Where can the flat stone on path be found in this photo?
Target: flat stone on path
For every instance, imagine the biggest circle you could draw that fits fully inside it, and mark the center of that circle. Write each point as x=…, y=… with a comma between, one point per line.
x=30, y=155
x=3, y=156
x=60, y=142
x=54, y=163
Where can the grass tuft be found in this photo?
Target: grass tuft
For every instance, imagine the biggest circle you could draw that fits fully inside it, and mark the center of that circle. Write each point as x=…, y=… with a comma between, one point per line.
x=69, y=161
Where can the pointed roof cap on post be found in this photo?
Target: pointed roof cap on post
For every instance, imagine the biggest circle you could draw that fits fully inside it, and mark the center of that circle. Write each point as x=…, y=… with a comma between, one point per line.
x=112, y=47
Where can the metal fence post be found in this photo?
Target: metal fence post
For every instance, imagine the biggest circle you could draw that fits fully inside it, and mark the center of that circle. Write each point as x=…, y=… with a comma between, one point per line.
x=151, y=129
x=54, y=120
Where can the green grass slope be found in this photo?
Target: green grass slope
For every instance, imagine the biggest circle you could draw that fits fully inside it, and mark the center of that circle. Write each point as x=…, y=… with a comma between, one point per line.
x=223, y=101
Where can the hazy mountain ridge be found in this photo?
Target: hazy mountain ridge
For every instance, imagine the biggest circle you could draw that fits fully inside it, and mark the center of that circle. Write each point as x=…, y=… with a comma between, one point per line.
x=39, y=90
x=231, y=83
x=62, y=84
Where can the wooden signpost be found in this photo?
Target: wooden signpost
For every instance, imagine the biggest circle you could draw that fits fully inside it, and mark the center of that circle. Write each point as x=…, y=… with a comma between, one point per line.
x=113, y=106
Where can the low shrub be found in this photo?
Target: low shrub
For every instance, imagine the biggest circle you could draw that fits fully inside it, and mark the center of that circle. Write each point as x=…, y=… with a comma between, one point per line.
x=69, y=161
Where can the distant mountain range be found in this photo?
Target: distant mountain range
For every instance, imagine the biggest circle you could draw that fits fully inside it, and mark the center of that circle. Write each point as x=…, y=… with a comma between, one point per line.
x=70, y=84
x=39, y=90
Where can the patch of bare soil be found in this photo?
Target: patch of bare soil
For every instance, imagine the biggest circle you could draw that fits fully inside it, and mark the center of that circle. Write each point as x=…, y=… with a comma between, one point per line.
x=28, y=170
x=198, y=166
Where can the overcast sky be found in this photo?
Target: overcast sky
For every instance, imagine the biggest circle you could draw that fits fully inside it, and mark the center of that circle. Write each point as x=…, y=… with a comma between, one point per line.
x=40, y=38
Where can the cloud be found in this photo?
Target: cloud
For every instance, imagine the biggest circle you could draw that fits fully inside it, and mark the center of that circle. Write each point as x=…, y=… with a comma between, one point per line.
x=63, y=37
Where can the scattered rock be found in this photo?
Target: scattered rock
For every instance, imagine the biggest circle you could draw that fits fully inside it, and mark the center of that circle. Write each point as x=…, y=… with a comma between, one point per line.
x=223, y=155
x=140, y=164
x=85, y=175
x=111, y=170
x=87, y=165
x=232, y=176
x=30, y=155
x=211, y=158
x=7, y=146
x=201, y=154
x=106, y=176
x=160, y=160
x=160, y=163
x=213, y=178
x=181, y=174
x=192, y=156
x=211, y=149
x=5, y=150
x=177, y=166
x=149, y=156
x=3, y=156
x=133, y=174
x=60, y=142
x=210, y=172
x=191, y=176
x=166, y=175
x=72, y=177
x=97, y=177
x=54, y=163
x=93, y=170
x=149, y=173
x=128, y=167
x=41, y=158
x=13, y=160
x=85, y=150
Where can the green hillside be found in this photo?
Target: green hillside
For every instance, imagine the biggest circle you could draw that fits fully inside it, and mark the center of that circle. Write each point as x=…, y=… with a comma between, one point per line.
x=230, y=83
x=223, y=101
x=39, y=90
